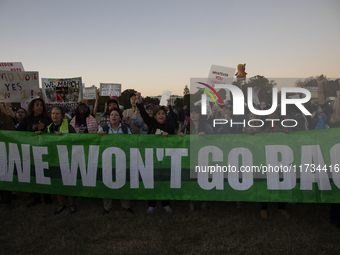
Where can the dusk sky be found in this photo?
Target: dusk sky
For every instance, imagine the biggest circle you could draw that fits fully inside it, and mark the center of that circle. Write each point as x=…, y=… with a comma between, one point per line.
x=151, y=46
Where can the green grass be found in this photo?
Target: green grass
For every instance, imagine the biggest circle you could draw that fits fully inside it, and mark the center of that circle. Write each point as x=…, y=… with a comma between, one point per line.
x=223, y=229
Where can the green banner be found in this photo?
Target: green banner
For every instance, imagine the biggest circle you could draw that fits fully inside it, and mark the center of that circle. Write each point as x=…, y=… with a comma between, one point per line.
x=294, y=167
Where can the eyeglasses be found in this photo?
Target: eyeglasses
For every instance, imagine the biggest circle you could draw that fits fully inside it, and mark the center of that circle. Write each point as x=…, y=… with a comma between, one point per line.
x=20, y=112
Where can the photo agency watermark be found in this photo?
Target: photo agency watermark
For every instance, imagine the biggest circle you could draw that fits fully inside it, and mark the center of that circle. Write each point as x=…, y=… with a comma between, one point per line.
x=239, y=103
x=224, y=106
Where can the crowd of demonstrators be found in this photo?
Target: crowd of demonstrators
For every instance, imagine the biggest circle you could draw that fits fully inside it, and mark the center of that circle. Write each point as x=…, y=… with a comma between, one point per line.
x=156, y=125
x=131, y=111
x=155, y=119
x=115, y=126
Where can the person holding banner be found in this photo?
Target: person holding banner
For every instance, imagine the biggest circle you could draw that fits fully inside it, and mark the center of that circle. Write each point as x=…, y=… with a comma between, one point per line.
x=156, y=125
x=83, y=122
x=36, y=120
x=115, y=127
x=60, y=126
x=197, y=126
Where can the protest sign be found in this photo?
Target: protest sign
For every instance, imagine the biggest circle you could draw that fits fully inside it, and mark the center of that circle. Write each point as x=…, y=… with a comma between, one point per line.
x=12, y=66
x=221, y=75
x=275, y=167
x=110, y=89
x=165, y=96
x=89, y=93
x=65, y=92
x=18, y=86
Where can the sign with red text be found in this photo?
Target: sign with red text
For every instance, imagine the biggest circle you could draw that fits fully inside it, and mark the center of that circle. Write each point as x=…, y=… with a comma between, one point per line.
x=65, y=92
x=12, y=66
x=18, y=86
x=221, y=75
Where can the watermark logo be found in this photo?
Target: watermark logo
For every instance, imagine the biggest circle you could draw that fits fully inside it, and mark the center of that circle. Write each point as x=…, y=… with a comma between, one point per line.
x=238, y=104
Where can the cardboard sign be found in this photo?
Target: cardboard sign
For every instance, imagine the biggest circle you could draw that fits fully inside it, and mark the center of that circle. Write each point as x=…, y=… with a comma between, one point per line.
x=89, y=93
x=110, y=89
x=18, y=86
x=12, y=66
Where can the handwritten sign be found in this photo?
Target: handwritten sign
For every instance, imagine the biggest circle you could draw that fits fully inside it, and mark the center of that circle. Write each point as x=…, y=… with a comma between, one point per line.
x=89, y=93
x=18, y=86
x=110, y=89
x=12, y=66
x=65, y=92
x=165, y=96
x=221, y=75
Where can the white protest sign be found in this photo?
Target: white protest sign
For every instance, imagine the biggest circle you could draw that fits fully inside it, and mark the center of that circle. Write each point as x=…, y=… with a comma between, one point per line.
x=89, y=93
x=65, y=92
x=221, y=75
x=165, y=96
x=110, y=89
x=18, y=86
x=12, y=66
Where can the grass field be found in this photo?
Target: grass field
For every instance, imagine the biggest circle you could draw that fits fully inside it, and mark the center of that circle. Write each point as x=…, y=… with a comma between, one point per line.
x=222, y=229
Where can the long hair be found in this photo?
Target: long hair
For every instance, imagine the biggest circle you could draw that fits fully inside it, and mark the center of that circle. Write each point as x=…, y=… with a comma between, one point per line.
x=77, y=115
x=336, y=111
x=31, y=108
